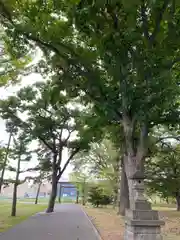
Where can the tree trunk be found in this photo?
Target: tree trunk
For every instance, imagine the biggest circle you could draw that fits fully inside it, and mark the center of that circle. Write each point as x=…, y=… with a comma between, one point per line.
x=84, y=194
x=115, y=198
x=5, y=162
x=77, y=197
x=14, y=202
x=60, y=192
x=178, y=202
x=53, y=193
x=38, y=191
x=124, y=192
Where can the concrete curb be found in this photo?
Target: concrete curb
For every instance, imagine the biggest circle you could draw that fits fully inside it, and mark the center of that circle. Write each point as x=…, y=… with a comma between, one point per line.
x=98, y=235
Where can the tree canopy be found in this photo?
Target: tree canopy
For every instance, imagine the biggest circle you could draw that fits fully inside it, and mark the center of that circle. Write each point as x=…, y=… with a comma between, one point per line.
x=121, y=58
x=164, y=173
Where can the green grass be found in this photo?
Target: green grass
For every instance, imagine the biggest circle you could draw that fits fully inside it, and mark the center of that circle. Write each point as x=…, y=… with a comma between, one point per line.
x=45, y=200
x=32, y=200
x=23, y=212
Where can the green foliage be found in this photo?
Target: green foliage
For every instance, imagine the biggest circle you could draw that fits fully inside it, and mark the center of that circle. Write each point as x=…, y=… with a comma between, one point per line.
x=163, y=172
x=101, y=161
x=55, y=125
x=121, y=57
x=13, y=65
x=97, y=197
x=19, y=154
x=81, y=180
x=2, y=156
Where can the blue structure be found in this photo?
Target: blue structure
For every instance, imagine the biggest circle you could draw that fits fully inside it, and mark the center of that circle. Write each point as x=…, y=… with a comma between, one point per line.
x=67, y=190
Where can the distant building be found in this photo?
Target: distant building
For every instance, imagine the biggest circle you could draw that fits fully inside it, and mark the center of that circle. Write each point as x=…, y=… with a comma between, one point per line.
x=67, y=189
x=28, y=190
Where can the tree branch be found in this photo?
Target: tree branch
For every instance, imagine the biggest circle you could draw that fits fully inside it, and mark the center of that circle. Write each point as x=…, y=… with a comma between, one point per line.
x=144, y=20
x=159, y=17
x=5, y=12
x=27, y=126
x=141, y=150
x=68, y=161
x=170, y=64
x=168, y=137
x=30, y=169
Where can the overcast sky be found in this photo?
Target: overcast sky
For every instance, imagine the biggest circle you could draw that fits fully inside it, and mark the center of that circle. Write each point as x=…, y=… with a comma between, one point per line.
x=4, y=93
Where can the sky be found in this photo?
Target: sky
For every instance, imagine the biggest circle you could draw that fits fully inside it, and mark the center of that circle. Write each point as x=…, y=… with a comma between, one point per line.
x=4, y=93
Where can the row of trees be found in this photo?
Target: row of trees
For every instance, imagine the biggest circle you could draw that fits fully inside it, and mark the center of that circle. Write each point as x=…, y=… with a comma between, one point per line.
x=35, y=117
x=101, y=165
x=120, y=59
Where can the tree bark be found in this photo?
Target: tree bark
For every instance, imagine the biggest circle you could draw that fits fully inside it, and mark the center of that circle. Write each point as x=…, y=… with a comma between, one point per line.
x=38, y=191
x=60, y=192
x=124, y=192
x=84, y=194
x=14, y=202
x=5, y=162
x=53, y=193
x=115, y=198
x=178, y=202
x=77, y=197
x=135, y=149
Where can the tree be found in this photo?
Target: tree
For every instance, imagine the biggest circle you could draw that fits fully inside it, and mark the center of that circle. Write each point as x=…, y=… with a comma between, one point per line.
x=20, y=154
x=39, y=180
x=2, y=167
x=13, y=63
x=82, y=182
x=101, y=161
x=53, y=124
x=122, y=57
x=164, y=173
x=97, y=196
x=45, y=170
x=5, y=159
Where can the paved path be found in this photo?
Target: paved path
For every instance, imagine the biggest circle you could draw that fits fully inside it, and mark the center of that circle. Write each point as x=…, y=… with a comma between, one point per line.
x=68, y=222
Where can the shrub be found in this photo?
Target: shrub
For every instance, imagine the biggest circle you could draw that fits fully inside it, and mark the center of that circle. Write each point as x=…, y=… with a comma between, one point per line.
x=97, y=197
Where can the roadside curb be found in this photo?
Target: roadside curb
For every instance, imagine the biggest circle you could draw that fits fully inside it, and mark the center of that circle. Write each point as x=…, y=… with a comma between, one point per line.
x=97, y=232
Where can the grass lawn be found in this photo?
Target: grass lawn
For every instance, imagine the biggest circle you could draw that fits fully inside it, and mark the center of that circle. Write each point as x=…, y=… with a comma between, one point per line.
x=23, y=212
x=45, y=200
x=111, y=226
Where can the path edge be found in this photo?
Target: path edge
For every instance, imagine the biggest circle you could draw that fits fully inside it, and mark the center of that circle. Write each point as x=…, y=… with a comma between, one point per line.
x=97, y=232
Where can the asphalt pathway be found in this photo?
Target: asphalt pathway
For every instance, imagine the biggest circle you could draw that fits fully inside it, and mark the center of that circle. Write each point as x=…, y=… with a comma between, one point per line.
x=68, y=222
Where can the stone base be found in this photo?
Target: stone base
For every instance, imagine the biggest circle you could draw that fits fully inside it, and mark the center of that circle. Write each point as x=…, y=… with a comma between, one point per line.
x=142, y=233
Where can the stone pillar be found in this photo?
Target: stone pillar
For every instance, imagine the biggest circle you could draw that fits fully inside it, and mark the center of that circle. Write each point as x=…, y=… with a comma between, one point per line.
x=141, y=222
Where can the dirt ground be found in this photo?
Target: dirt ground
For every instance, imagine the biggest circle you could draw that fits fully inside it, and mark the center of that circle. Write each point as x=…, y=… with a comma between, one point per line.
x=111, y=226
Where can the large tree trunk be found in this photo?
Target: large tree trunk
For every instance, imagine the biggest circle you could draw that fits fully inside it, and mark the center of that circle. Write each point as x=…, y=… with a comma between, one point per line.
x=178, y=202
x=124, y=191
x=5, y=162
x=135, y=149
x=38, y=191
x=14, y=202
x=53, y=193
